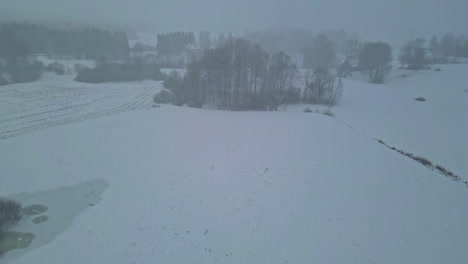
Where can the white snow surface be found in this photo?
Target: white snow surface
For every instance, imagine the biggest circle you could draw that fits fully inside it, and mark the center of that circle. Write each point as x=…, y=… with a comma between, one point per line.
x=199, y=186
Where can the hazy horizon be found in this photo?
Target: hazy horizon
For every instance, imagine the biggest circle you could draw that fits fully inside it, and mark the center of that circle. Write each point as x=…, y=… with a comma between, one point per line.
x=395, y=20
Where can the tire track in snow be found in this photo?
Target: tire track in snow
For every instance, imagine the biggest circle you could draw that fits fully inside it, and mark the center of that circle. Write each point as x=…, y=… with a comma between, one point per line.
x=27, y=110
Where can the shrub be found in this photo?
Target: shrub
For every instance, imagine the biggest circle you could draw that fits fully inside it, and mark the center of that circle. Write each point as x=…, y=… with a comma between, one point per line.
x=328, y=112
x=420, y=99
x=10, y=214
x=164, y=97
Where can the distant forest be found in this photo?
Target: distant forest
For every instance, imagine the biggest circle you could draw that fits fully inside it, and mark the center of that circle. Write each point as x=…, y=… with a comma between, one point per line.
x=25, y=39
x=174, y=42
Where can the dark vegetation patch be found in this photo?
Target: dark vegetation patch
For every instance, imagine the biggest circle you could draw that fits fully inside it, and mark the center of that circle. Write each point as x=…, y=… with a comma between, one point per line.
x=10, y=214
x=120, y=72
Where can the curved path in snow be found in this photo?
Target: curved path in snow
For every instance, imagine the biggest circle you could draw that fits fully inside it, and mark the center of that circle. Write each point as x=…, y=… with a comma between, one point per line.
x=58, y=100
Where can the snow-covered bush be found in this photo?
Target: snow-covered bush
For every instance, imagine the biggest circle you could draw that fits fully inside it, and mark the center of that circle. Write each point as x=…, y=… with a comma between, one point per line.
x=164, y=97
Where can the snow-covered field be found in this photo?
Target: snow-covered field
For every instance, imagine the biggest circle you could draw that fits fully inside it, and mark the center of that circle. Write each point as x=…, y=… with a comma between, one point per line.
x=436, y=129
x=181, y=185
x=57, y=100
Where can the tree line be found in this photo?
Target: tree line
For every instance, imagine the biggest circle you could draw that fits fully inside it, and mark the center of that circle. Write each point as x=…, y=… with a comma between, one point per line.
x=417, y=53
x=174, y=42
x=22, y=39
x=135, y=70
x=448, y=45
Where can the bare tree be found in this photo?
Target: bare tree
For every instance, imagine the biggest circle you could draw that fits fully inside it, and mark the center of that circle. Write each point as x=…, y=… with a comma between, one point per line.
x=413, y=54
x=375, y=58
x=324, y=88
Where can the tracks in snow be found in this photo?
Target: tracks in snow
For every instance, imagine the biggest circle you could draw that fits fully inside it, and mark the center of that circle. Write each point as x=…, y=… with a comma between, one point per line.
x=32, y=108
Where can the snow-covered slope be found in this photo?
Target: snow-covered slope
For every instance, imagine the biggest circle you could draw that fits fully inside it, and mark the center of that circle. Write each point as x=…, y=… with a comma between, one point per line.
x=199, y=186
x=436, y=129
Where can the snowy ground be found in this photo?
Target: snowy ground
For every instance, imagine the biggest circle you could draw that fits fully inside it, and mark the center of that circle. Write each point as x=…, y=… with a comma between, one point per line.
x=436, y=129
x=181, y=185
x=57, y=100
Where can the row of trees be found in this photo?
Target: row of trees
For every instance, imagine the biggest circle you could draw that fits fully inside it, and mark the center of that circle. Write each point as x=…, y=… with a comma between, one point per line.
x=21, y=39
x=373, y=58
x=413, y=55
x=241, y=75
x=448, y=45
x=416, y=54
x=174, y=42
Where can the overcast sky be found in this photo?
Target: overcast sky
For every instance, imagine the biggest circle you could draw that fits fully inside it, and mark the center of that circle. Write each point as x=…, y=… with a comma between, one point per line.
x=371, y=18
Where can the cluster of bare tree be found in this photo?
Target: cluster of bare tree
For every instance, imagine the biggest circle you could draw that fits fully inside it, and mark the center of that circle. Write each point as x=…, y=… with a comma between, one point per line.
x=241, y=75
x=413, y=55
x=447, y=46
x=322, y=87
x=417, y=54
x=174, y=42
x=237, y=75
x=375, y=58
